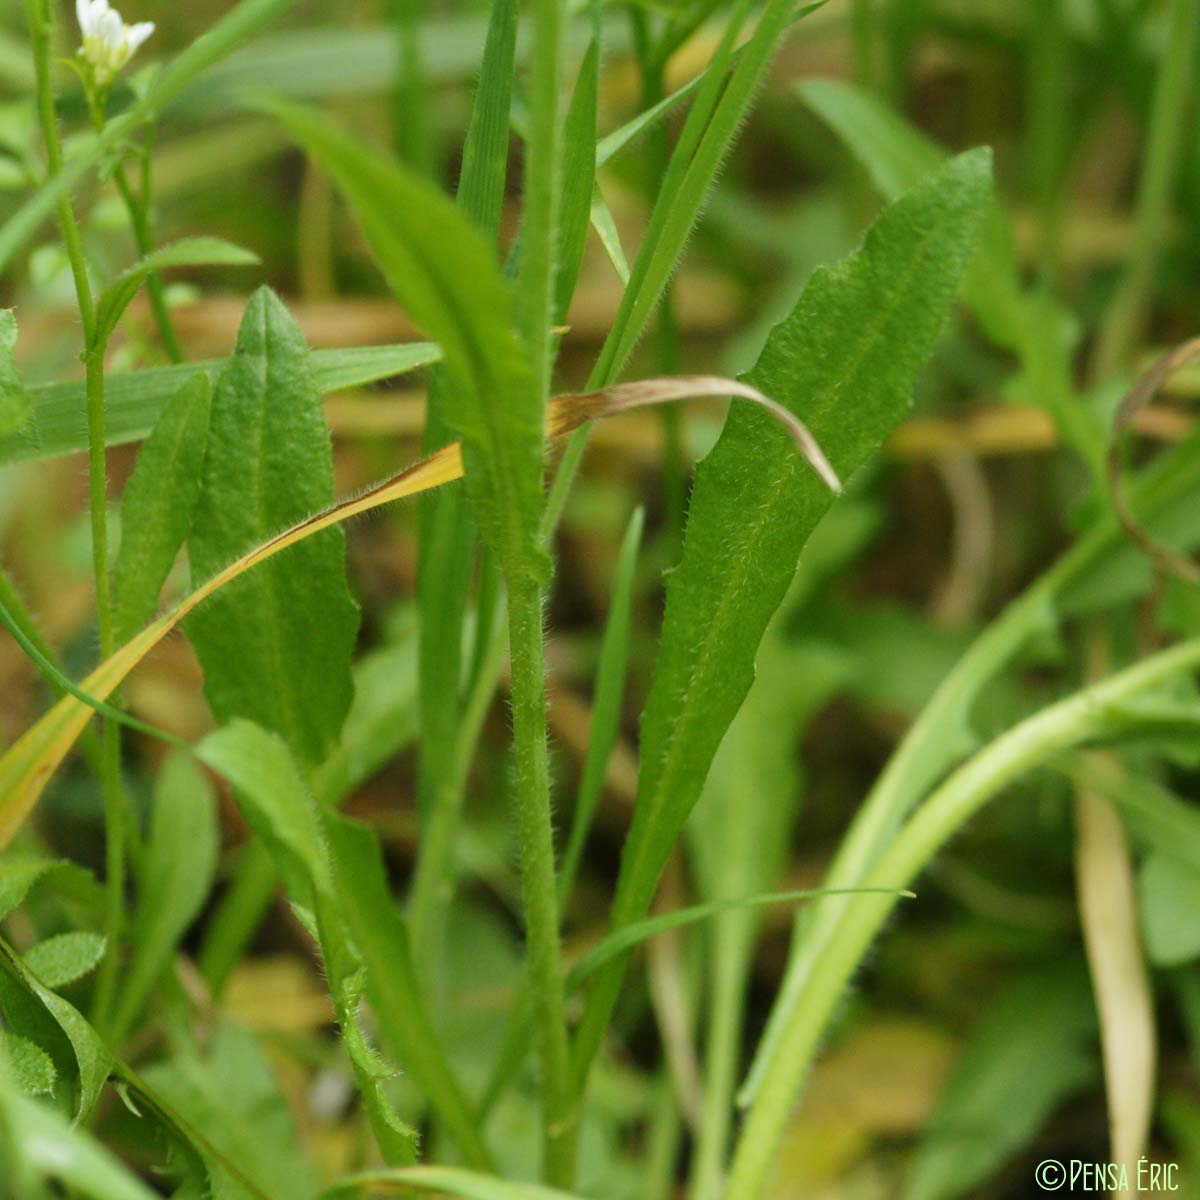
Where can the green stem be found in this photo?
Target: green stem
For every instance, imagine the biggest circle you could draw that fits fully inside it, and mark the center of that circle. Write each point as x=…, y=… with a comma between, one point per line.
x=539, y=888
x=1126, y=315
x=1089, y=714
x=940, y=735
x=534, y=313
x=41, y=28
x=138, y=207
x=41, y=34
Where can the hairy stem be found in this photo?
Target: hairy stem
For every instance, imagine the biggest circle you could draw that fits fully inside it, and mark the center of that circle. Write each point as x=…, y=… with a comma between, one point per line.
x=539, y=888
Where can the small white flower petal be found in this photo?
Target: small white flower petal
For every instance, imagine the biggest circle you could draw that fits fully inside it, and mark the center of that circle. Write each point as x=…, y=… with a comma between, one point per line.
x=137, y=35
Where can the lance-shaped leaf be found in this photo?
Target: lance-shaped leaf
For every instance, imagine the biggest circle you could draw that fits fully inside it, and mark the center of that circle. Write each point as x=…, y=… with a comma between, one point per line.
x=445, y=273
x=275, y=646
x=846, y=358
x=157, y=506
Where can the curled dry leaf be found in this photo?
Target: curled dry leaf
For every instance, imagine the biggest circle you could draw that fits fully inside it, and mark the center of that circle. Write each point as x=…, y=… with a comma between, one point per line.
x=570, y=411
x=29, y=763
x=1165, y=560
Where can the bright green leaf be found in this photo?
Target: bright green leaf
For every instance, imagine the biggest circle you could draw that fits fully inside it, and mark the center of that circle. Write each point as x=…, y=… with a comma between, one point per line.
x=62, y=960
x=445, y=273
x=15, y=401
x=1168, y=900
x=232, y=1096
x=158, y=503
x=32, y=1068
x=92, y=1059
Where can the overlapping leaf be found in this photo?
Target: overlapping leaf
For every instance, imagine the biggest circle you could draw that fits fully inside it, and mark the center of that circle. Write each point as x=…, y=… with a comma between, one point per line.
x=846, y=358
x=275, y=645
x=445, y=273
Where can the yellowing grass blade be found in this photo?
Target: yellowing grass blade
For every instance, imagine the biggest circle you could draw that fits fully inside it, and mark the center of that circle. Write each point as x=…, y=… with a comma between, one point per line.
x=28, y=765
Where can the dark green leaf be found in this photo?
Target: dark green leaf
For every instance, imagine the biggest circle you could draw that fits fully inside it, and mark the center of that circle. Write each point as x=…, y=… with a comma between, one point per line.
x=280, y=809
x=275, y=644
x=92, y=1059
x=445, y=273
x=158, y=503
x=845, y=360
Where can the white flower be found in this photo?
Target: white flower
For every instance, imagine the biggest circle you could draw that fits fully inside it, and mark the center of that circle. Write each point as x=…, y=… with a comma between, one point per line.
x=108, y=43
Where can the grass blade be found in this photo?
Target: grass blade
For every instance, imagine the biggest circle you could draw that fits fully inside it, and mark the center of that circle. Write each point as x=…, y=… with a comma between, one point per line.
x=135, y=401
x=606, y=702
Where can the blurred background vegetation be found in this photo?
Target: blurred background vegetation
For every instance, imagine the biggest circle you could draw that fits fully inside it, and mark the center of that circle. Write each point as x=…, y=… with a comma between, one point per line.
x=976, y=1013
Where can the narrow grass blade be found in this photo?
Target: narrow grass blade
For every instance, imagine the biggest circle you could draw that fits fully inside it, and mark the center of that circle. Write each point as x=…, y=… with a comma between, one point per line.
x=447, y=536
x=615, y=945
x=578, y=179
x=606, y=702
x=135, y=401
